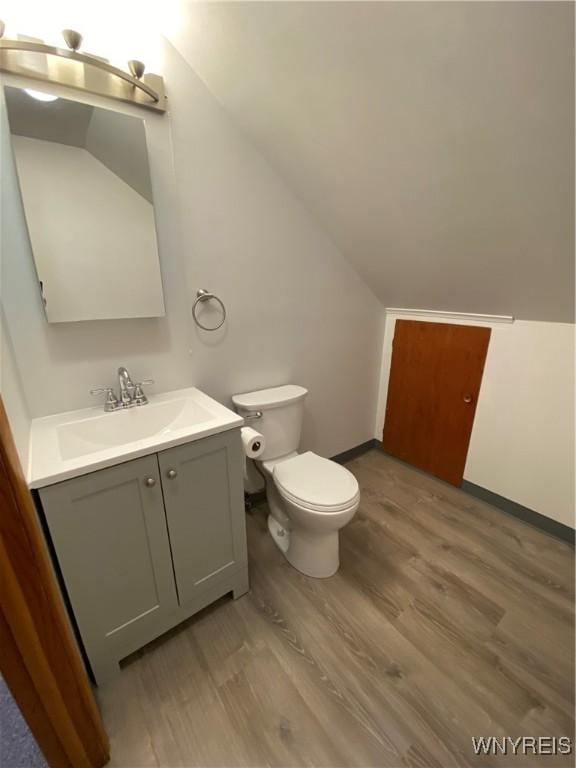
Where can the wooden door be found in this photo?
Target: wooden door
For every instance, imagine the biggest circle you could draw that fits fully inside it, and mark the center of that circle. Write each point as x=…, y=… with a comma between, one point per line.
x=109, y=533
x=433, y=389
x=204, y=497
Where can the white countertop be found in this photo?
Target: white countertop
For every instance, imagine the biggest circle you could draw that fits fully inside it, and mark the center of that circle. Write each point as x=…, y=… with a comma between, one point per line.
x=77, y=442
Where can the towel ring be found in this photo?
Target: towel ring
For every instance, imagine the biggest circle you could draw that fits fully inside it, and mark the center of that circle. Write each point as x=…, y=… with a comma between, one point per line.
x=203, y=295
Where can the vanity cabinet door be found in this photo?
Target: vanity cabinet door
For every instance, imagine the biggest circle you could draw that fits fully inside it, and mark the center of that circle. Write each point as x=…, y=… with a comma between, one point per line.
x=204, y=498
x=109, y=533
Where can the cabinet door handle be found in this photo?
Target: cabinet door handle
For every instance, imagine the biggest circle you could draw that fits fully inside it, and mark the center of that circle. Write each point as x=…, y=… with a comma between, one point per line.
x=150, y=482
x=467, y=398
x=171, y=474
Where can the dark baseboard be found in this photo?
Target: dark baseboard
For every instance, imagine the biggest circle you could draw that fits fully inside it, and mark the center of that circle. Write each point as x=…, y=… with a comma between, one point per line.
x=546, y=524
x=353, y=453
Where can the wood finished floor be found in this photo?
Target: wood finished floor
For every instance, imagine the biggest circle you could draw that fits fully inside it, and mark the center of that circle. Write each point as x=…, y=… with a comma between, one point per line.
x=448, y=619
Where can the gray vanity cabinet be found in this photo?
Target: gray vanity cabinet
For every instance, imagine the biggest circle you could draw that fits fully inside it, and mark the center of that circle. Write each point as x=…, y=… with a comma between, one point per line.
x=109, y=532
x=145, y=544
x=203, y=488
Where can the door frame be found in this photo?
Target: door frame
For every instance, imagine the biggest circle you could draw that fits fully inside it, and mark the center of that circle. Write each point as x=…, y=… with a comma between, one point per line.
x=39, y=657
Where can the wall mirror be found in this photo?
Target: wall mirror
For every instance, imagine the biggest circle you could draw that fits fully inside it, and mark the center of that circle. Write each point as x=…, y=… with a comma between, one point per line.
x=85, y=184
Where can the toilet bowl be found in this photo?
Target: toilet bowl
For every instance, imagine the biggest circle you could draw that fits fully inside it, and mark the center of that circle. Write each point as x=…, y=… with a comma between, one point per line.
x=310, y=498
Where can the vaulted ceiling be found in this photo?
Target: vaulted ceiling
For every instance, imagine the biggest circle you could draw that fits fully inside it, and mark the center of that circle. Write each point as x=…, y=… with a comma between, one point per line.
x=433, y=141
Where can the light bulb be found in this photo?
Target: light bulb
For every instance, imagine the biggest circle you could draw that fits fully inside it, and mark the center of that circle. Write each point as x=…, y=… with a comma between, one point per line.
x=40, y=95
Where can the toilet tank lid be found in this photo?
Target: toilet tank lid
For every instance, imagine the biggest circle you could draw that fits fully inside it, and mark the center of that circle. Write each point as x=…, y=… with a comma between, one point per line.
x=270, y=398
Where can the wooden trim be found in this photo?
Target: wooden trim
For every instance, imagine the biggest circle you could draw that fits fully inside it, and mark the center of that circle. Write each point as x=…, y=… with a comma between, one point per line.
x=40, y=660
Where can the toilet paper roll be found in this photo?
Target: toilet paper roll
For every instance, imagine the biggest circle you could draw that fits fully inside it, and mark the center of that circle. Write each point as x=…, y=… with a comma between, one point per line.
x=253, y=442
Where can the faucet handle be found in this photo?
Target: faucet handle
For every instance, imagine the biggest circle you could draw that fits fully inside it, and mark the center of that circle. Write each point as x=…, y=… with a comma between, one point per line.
x=139, y=397
x=100, y=390
x=111, y=402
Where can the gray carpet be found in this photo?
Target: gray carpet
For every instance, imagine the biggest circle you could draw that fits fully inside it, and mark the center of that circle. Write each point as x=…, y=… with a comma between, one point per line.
x=17, y=746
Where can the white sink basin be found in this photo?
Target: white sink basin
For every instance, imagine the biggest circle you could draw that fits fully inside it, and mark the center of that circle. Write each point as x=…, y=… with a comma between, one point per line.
x=74, y=443
x=96, y=433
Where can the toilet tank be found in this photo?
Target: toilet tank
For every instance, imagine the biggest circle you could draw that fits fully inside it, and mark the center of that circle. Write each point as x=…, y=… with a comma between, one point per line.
x=282, y=411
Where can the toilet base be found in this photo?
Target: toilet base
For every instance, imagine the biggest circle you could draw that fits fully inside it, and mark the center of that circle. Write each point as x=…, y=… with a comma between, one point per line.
x=280, y=535
x=313, y=554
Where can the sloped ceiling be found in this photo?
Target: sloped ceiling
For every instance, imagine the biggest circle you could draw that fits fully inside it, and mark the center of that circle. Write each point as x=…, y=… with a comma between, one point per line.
x=433, y=141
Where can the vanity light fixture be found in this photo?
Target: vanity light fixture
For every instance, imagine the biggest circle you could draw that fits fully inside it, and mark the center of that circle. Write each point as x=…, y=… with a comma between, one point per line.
x=137, y=68
x=72, y=39
x=97, y=74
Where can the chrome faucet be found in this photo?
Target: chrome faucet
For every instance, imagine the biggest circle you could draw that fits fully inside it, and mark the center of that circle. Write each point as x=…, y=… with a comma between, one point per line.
x=130, y=394
x=126, y=387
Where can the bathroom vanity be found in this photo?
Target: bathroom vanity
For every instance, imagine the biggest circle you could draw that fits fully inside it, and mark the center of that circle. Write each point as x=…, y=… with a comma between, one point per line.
x=145, y=531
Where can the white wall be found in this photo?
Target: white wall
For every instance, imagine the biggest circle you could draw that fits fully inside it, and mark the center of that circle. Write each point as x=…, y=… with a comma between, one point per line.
x=297, y=310
x=12, y=393
x=11, y=386
x=93, y=236
x=522, y=443
x=433, y=140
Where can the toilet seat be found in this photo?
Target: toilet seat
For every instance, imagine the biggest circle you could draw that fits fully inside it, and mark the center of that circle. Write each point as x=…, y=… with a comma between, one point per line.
x=315, y=483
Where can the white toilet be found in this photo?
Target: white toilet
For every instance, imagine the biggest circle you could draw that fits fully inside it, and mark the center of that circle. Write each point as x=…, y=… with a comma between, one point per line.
x=310, y=498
